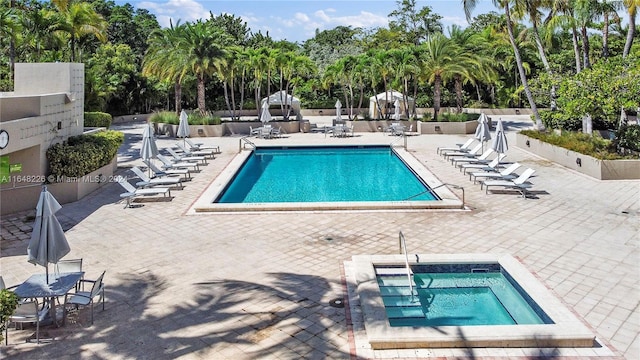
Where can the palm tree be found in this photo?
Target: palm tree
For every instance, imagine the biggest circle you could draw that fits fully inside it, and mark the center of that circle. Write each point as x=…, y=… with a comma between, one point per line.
x=585, y=13
x=478, y=66
x=163, y=61
x=77, y=20
x=505, y=4
x=441, y=61
x=532, y=9
x=405, y=66
x=566, y=8
x=9, y=29
x=203, y=52
x=257, y=63
x=632, y=9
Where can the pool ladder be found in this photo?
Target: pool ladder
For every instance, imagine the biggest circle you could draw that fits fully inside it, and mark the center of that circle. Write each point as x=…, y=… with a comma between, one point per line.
x=402, y=243
x=244, y=141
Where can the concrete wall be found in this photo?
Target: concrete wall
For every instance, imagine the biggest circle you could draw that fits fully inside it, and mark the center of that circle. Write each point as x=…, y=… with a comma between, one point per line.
x=599, y=169
x=46, y=108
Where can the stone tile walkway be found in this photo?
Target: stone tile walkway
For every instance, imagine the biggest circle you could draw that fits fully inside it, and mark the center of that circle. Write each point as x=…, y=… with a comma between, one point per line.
x=258, y=286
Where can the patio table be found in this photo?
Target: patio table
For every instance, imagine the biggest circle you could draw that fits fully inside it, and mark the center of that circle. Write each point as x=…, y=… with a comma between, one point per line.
x=57, y=285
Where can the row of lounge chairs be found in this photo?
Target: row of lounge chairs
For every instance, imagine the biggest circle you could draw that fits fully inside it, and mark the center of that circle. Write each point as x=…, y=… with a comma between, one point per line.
x=489, y=172
x=176, y=168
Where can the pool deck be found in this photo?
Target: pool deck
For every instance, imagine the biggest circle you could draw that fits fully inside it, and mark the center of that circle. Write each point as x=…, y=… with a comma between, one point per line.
x=260, y=285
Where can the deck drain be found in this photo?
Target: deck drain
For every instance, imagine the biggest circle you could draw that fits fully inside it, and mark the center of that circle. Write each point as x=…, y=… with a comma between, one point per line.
x=328, y=238
x=337, y=303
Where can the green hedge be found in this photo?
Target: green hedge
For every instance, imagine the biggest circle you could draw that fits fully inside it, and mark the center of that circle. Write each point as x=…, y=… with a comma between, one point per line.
x=82, y=154
x=97, y=119
x=592, y=145
x=165, y=117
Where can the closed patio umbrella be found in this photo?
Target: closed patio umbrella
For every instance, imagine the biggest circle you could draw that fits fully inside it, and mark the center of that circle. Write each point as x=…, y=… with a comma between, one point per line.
x=499, y=143
x=265, y=115
x=48, y=244
x=338, y=110
x=482, y=131
x=623, y=118
x=396, y=110
x=149, y=149
x=183, y=126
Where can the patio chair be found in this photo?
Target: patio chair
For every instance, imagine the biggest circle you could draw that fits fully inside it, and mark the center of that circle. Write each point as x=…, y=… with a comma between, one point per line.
x=265, y=132
x=185, y=157
x=69, y=265
x=339, y=131
x=168, y=172
x=168, y=164
x=193, y=153
x=521, y=184
x=133, y=192
x=276, y=133
x=458, y=147
x=87, y=298
x=27, y=312
x=507, y=173
x=493, y=165
x=470, y=158
x=449, y=154
x=200, y=146
x=148, y=182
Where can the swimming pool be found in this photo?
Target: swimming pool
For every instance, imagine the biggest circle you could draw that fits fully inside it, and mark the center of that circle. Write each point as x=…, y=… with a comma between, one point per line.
x=321, y=174
x=557, y=325
x=326, y=178
x=473, y=295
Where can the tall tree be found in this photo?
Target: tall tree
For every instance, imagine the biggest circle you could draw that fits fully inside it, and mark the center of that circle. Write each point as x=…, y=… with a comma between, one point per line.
x=632, y=9
x=415, y=25
x=505, y=4
x=441, y=60
x=78, y=20
x=203, y=53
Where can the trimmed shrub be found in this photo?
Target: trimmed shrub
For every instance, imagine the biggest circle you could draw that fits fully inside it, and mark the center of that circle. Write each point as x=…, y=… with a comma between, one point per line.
x=166, y=117
x=8, y=304
x=82, y=154
x=594, y=145
x=628, y=137
x=97, y=119
x=451, y=117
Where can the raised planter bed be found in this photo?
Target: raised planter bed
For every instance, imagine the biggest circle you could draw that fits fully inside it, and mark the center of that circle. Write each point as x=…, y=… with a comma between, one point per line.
x=584, y=164
x=436, y=127
x=68, y=190
x=226, y=128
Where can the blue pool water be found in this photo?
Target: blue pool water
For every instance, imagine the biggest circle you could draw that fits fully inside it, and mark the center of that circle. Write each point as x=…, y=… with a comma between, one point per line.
x=324, y=174
x=457, y=299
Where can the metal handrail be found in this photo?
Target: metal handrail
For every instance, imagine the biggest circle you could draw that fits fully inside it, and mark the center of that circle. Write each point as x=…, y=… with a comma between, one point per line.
x=245, y=141
x=403, y=137
x=402, y=243
x=453, y=186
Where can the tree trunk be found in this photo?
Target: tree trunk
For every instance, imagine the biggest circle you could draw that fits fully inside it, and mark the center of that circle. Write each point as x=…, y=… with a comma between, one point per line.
x=226, y=97
x=201, y=101
x=545, y=62
x=523, y=76
x=576, y=50
x=436, y=96
x=233, y=101
x=630, y=33
x=178, y=99
x=458, y=87
x=605, y=35
x=585, y=48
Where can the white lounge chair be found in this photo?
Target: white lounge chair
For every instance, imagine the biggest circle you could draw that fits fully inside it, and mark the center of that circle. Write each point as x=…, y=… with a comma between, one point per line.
x=459, y=147
x=200, y=146
x=168, y=164
x=449, y=154
x=185, y=157
x=521, y=183
x=507, y=173
x=133, y=192
x=157, y=172
x=187, y=152
x=149, y=182
x=470, y=158
x=483, y=166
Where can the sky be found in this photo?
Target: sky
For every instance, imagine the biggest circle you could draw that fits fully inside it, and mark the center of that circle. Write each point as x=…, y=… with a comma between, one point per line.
x=297, y=20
